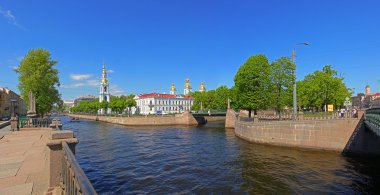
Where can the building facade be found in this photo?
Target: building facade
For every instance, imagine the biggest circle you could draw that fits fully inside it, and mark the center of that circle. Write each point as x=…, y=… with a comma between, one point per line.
x=156, y=103
x=9, y=100
x=68, y=104
x=83, y=98
x=162, y=103
x=366, y=100
x=104, y=94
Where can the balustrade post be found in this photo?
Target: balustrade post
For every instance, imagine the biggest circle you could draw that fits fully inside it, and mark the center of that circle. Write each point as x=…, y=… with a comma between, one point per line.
x=56, y=153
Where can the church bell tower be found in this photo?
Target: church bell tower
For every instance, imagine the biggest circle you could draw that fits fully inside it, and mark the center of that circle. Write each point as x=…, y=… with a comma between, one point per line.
x=104, y=94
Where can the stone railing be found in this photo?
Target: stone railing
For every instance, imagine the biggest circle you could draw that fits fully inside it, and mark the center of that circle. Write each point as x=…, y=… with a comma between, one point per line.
x=73, y=179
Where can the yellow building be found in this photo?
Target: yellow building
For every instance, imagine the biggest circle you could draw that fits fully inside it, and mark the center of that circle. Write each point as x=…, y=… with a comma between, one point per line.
x=9, y=98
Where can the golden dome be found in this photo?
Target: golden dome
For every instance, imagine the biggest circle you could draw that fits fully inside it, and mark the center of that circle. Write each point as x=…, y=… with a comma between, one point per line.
x=202, y=87
x=104, y=80
x=187, y=85
x=172, y=88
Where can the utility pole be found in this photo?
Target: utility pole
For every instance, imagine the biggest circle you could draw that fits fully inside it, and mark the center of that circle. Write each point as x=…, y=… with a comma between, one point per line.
x=295, y=115
x=294, y=85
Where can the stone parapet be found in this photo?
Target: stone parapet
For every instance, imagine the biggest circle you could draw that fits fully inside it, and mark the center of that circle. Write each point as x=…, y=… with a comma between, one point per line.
x=56, y=153
x=185, y=118
x=231, y=118
x=321, y=134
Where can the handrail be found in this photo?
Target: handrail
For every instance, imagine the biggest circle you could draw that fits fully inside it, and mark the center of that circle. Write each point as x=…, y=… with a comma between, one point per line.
x=373, y=116
x=74, y=180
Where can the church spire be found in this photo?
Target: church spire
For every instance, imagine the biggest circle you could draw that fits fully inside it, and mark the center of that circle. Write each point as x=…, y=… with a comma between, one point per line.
x=104, y=74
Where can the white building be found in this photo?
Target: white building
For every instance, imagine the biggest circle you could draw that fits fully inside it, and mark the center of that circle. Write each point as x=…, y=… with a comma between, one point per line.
x=68, y=104
x=104, y=94
x=157, y=103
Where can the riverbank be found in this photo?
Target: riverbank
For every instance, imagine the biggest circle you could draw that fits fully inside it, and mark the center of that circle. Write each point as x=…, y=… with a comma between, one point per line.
x=185, y=118
x=322, y=134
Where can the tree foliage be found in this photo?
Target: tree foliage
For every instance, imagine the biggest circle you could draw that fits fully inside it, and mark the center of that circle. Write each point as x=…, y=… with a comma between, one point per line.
x=253, y=83
x=321, y=88
x=118, y=104
x=37, y=74
x=282, y=80
x=212, y=99
x=90, y=107
x=130, y=103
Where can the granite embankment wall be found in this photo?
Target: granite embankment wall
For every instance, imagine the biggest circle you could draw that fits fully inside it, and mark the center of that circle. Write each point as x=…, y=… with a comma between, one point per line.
x=185, y=118
x=332, y=134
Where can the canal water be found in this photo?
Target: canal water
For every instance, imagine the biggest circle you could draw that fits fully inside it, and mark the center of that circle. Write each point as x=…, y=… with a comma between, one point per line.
x=210, y=159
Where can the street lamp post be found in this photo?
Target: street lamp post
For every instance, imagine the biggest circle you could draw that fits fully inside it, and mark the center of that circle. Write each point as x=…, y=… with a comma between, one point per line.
x=295, y=116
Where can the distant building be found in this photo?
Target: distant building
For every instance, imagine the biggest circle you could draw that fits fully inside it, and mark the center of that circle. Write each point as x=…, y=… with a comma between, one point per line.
x=84, y=98
x=375, y=103
x=8, y=99
x=367, y=90
x=187, y=88
x=161, y=103
x=153, y=103
x=68, y=104
x=104, y=94
x=363, y=101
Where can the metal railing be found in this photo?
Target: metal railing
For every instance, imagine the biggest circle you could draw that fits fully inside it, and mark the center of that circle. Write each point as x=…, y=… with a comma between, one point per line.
x=22, y=121
x=373, y=116
x=73, y=179
x=35, y=122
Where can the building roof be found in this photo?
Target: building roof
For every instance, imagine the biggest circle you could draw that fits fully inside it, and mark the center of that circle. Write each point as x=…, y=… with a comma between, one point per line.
x=162, y=95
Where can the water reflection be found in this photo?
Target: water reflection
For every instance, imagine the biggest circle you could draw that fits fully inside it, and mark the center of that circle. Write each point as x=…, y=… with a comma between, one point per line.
x=210, y=159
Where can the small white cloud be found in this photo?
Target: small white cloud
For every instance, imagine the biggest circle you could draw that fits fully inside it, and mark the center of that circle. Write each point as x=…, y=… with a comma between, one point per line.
x=7, y=14
x=72, y=86
x=93, y=83
x=115, y=90
x=78, y=77
x=110, y=71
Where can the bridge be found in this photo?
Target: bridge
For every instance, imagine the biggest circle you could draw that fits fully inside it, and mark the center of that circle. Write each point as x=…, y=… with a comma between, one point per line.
x=372, y=120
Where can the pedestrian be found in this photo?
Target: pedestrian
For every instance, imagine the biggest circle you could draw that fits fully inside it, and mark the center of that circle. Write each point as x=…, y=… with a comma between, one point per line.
x=209, y=112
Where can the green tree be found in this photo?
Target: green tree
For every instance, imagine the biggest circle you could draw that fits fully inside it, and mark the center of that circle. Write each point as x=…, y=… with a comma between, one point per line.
x=253, y=82
x=222, y=94
x=234, y=97
x=104, y=105
x=201, y=100
x=37, y=74
x=117, y=104
x=282, y=82
x=130, y=103
x=321, y=88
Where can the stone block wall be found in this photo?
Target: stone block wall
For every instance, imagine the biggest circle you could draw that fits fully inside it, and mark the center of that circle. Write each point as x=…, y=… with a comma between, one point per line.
x=322, y=134
x=230, y=118
x=185, y=118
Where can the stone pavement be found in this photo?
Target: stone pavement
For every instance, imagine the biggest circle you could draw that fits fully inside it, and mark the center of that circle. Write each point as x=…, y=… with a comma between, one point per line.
x=5, y=131
x=24, y=162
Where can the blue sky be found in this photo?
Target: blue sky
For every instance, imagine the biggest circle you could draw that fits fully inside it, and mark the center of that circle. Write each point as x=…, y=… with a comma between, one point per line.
x=148, y=44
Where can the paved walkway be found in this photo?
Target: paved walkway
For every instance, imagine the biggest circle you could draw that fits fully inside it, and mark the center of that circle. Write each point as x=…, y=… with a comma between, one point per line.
x=5, y=131
x=24, y=162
